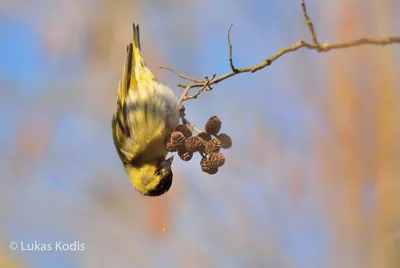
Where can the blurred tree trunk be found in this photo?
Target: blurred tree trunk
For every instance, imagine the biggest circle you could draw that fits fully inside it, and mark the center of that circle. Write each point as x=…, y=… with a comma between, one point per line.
x=364, y=153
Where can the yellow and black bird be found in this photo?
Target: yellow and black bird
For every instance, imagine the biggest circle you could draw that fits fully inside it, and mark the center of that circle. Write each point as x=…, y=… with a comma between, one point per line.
x=146, y=112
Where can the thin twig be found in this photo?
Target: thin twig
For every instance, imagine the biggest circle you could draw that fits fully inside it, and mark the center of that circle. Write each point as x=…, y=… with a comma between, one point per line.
x=181, y=75
x=190, y=125
x=301, y=44
x=230, y=49
x=205, y=86
x=315, y=45
x=184, y=94
x=309, y=23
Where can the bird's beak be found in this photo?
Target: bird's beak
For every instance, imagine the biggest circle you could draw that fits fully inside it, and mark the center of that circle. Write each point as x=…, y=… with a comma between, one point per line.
x=169, y=160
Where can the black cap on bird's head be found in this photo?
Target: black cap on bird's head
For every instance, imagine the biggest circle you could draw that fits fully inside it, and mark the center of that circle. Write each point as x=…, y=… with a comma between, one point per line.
x=166, y=163
x=165, y=183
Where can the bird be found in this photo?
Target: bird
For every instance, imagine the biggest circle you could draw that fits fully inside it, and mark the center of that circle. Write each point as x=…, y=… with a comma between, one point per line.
x=147, y=111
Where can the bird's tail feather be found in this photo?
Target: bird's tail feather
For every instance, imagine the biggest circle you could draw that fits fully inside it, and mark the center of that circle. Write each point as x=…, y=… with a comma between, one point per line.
x=135, y=56
x=136, y=37
x=126, y=80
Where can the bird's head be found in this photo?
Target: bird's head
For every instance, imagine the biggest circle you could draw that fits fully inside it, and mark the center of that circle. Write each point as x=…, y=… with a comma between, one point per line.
x=152, y=179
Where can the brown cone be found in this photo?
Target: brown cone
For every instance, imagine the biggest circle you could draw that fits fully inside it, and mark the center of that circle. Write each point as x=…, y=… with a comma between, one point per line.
x=213, y=145
x=213, y=125
x=194, y=144
x=177, y=138
x=226, y=141
x=184, y=130
x=204, y=136
x=205, y=167
x=171, y=147
x=216, y=160
x=185, y=155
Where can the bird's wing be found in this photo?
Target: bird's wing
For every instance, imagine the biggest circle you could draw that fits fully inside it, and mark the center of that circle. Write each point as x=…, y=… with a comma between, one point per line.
x=119, y=139
x=136, y=76
x=120, y=126
x=128, y=81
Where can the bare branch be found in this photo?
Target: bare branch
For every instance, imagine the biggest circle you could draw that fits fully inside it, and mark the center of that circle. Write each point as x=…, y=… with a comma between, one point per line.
x=388, y=40
x=181, y=75
x=184, y=94
x=315, y=45
x=190, y=125
x=206, y=86
x=309, y=23
x=230, y=49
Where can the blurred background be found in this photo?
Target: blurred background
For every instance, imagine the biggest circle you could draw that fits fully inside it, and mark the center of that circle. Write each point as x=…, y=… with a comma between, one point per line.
x=312, y=179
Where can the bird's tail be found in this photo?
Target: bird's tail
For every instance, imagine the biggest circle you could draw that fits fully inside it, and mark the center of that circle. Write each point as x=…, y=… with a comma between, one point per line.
x=136, y=37
x=134, y=57
x=129, y=79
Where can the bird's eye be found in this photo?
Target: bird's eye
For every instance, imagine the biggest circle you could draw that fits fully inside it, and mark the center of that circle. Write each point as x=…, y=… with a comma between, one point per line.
x=157, y=172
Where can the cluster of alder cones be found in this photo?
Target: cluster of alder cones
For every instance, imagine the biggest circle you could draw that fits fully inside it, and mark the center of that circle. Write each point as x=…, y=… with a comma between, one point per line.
x=207, y=143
